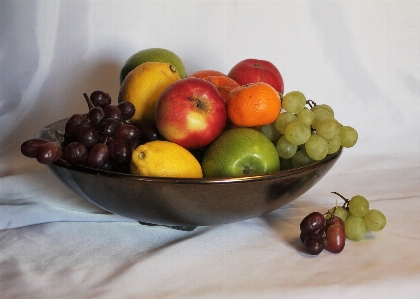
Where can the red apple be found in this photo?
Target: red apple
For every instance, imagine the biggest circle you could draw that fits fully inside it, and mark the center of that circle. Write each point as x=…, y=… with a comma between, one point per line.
x=191, y=112
x=254, y=70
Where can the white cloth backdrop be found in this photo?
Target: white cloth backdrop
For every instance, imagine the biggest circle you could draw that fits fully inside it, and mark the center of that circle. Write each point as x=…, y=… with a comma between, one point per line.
x=360, y=57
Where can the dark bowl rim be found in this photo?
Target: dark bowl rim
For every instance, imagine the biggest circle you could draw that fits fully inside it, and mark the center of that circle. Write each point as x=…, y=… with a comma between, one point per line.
x=120, y=175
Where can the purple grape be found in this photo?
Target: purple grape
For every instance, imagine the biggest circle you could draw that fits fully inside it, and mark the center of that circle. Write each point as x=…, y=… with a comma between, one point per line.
x=88, y=134
x=313, y=222
x=30, y=147
x=76, y=153
x=72, y=127
x=98, y=156
x=108, y=165
x=49, y=153
x=108, y=127
x=128, y=133
x=127, y=110
x=96, y=115
x=148, y=131
x=314, y=244
x=336, y=237
x=120, y=151
x=334, y=220
x=112, y=111
x=319, y=232
x=100, y=98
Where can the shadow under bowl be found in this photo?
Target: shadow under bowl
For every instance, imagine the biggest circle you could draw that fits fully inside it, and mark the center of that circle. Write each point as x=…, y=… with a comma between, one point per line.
x=185, y=202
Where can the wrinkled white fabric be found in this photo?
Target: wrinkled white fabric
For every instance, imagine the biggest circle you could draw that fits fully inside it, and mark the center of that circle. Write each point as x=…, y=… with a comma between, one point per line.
x=362, y=58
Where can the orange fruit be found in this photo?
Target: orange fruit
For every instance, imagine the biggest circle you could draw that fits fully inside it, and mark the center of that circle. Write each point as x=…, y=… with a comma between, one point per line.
x=223, y=83
x=254, y=104
x=205, y=73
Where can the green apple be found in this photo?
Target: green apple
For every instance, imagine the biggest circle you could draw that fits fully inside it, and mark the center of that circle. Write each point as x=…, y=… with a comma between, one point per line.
x=153, y=55
x=240, y=152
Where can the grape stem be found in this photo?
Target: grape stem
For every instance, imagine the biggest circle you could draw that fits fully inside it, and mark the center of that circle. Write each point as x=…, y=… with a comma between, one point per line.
x=346, y=201
x=88, y=101
x=311, y=103
x=333, y=210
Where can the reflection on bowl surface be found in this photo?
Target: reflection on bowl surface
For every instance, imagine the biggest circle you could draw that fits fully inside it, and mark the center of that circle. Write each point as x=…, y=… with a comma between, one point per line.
x=185, y=202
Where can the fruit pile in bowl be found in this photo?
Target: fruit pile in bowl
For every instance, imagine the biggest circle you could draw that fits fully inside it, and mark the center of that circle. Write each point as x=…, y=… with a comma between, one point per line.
x=188, y=150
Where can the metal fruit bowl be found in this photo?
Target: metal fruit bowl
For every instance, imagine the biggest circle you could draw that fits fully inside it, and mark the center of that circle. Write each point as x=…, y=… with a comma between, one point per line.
x=185, y=202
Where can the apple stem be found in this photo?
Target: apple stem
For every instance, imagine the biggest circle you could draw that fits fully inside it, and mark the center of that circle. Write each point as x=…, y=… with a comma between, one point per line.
x=196, y=101
x=247, y=170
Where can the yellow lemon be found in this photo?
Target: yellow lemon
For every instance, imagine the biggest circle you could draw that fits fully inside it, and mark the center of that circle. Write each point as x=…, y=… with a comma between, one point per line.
x=143, y=86
x=164, y=159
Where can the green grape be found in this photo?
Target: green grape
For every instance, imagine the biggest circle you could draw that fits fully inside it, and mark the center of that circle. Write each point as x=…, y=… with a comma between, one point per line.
x=301, y=159
x=328, y=128
x=355, y=228
x=316, y=147
x=285, y=164
x=339, y=212
x=320, y=114
x=270, y=132
x=334, y=144
x=285, y=148
x=283, y=120
x=358, y=205
x=306, y=117
x=297, y=133
x=294, y=101
x=348, y=136
x=324, y=107
x=375, y=220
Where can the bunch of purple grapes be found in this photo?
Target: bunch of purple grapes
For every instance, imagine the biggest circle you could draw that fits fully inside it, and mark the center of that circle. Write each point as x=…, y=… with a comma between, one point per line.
x=316, y=233
x=101, y=139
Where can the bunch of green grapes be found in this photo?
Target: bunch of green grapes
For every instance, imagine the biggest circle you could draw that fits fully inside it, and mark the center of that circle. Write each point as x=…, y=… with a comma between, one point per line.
x=305, y=132
x=358, y=217
x=330, y=230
